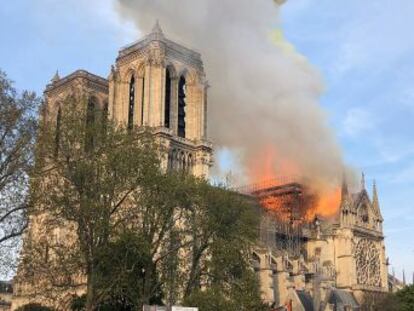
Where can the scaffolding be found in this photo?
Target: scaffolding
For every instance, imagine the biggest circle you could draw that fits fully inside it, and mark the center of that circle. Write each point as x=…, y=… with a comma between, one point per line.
x=283, y=226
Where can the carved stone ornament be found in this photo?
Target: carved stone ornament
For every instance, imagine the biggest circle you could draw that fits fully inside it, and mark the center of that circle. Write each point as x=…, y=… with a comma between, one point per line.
x=367, y=260
x=156, y=54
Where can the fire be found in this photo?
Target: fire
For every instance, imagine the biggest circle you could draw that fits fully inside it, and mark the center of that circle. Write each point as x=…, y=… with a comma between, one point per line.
x=269, y=166
x=327, y=204
x=269, y=169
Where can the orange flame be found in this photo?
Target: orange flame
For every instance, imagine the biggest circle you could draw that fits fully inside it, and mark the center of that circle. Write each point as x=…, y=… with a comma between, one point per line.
x=269, y=166
x=270, y=169
x=327, y=204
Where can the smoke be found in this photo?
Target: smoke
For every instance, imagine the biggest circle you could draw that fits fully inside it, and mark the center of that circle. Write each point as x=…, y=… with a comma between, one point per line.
x=264, y=95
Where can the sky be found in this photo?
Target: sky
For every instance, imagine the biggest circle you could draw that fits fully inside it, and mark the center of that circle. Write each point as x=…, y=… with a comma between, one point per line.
x=362, y=49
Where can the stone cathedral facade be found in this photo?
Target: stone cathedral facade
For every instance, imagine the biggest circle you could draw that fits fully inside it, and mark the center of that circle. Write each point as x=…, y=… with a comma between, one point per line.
x=158, y=83
x=161, y=84
x=333, y=264
x=154, y=83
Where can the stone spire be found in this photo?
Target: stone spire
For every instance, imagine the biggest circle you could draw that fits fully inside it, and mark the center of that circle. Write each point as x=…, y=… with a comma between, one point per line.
x=157, y=28
x=56, y=77
x=375, y=201
x=344, y=189
x=157, y=33
x=344, y=217
x=363, y=181
x=375, y=194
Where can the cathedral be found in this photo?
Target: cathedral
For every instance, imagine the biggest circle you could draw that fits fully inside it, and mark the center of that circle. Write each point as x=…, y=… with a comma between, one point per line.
x=331, y=264
x=322, y=265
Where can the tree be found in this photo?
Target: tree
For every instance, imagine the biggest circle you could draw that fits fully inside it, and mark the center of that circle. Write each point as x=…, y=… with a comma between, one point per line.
x=156, y=260
x=223, y=227
x=223, y=230
x=88, y=167
x=405, y=298
x=17, y=135
x=121, y=269
x=107, y=220
x=379, y=301
x=402, y=300
x=33, y=307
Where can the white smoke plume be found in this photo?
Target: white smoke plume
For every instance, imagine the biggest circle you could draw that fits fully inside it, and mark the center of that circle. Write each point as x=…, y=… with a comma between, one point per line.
x=264, y=96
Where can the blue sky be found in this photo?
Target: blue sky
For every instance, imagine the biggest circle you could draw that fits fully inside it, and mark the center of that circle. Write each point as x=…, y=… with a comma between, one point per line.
x=363, y=50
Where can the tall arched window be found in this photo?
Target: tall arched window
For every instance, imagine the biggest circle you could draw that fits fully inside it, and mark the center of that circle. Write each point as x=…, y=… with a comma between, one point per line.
x=105, y=112
x=104, y=117
x=167, y=103
x=190, y=162
x=90, y=123
x=57, y=130
x=131, y=103
x=181, y=107
x=142, y=100
x=91, y=112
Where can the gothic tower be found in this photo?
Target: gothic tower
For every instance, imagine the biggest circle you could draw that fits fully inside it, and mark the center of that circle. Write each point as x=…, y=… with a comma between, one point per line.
x=361, y=261
x=160, y=84
x=155, y=84
x=347, y=253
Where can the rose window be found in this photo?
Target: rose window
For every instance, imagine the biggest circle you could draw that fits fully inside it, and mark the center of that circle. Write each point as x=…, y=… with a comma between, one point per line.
x=367, y=261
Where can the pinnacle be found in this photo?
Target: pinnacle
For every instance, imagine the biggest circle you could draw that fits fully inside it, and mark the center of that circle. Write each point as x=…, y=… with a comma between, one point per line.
x=363, y=181
x=344, y=191
x=375, y=200
x=55, y=77
x=374, y=190
x=157, y=28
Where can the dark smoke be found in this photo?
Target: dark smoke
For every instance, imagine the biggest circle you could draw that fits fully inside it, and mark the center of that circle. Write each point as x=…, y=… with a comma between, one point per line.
x=263, y=92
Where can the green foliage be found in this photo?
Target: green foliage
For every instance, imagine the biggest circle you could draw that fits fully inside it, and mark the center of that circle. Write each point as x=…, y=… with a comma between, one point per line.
x=89, y=168
x=138, y=235
x=17, y=135
x=242, y=295
x=405, y=298
x=121, y=268
x=402, y=300
x=211, y=299
x=110, y=304
x=34, y=307
x=78, y=303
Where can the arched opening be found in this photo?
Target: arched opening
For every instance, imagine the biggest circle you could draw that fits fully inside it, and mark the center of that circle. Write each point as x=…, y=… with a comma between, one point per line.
x=91, y=123
x=142, y=100
x=177, y=161
x=190, y=162
x=167, y=103
x=181, y=107
x=104, y=119
x=57, y=130
x=170, y=164
x=183, y=162
x=131, y=103
x=105, y=112
x=364, y=214
x=256, y=262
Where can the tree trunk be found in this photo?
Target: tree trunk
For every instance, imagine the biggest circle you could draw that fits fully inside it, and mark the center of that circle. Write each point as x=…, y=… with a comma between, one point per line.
x=90, y=291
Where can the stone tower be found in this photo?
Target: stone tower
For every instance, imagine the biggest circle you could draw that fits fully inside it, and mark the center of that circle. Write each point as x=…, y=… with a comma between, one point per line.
x=155, y=84
x=361, y=246
x=160, y=84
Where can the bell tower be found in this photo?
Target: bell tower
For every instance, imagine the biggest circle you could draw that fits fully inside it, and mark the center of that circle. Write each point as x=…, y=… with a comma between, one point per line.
x=160, y=84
